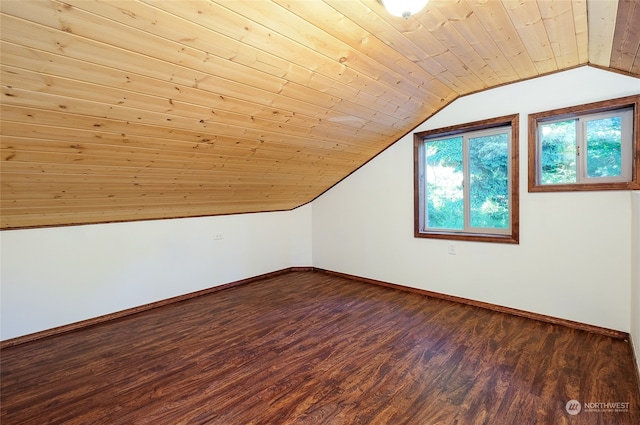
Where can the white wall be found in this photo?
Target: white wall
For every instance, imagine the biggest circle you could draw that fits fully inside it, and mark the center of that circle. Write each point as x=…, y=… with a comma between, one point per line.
x=635, y=275
x=573, y=259
x=56, y=276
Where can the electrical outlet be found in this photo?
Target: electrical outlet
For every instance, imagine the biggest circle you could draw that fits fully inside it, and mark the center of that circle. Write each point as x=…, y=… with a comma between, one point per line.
x=218, y=236
x=452, y=249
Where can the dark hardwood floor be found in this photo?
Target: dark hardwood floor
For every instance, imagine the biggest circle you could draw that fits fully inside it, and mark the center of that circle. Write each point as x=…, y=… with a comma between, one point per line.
x=313, y=348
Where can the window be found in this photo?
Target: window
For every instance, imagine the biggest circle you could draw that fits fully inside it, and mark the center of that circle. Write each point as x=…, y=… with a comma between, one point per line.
x=588, y=147
x=466, y=181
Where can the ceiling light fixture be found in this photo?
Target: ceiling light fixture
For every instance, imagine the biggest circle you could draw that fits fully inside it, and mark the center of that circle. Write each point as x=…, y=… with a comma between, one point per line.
x=404, y=8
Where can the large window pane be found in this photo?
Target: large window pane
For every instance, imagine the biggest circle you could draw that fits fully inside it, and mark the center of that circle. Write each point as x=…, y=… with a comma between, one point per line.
x=558, y=152
x=604, y=147
x=445, y=197
x=466, y=181
x=489, y=181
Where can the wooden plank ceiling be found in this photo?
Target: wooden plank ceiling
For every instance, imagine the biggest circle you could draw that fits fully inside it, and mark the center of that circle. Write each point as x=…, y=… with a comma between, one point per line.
x=132, y=110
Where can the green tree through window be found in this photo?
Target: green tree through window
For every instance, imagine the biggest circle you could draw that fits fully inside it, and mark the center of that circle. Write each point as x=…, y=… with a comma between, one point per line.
x=489, y=181
x=604, y=147
x=465, y=182
x=585, y=147
x=445, y=206
x=558, y=142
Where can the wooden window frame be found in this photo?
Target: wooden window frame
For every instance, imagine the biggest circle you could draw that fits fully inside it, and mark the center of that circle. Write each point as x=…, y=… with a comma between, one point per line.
x=577, y=111
x=418, y=200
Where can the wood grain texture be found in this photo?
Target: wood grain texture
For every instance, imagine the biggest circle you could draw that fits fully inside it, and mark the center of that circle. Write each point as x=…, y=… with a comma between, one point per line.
x=310, y=348
x=298, y=94
x=602, y=25
x=493, y=307
x=625, y=51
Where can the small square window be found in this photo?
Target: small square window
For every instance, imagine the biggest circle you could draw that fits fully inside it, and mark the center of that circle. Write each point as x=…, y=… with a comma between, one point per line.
x=589, y=147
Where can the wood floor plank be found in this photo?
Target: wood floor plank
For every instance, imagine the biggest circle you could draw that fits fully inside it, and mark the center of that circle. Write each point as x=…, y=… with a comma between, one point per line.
x=315, y=348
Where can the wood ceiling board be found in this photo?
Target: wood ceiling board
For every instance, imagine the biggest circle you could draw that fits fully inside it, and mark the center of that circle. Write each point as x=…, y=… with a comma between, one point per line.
x=150, y=119
x=558, y=17
x=380, y=79
x=299, y=41
x=172, y=109
x=76, y=124
x=152, y=198
x=26, y=172
x=371, y=15
x=496, y=21
x=82, y=71
x=220, y=148
x=255, y=86
x=150, y=201
x=217, y=88
x=602, y=24
x=128, y=160
x=467, y=23
x=526, y=19
x=75, y=184
x=452, y=71
x=19, y=172
x=115, y=36
x=581, y=25
x=341, y=27
x=198, y=107
x=626, y=38
x=98, y=155
x=439, y=19
x=367, y=15
x=400, y=34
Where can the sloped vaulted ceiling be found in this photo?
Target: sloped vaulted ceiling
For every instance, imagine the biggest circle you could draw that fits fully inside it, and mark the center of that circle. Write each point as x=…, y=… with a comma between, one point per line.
x=131, y=110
